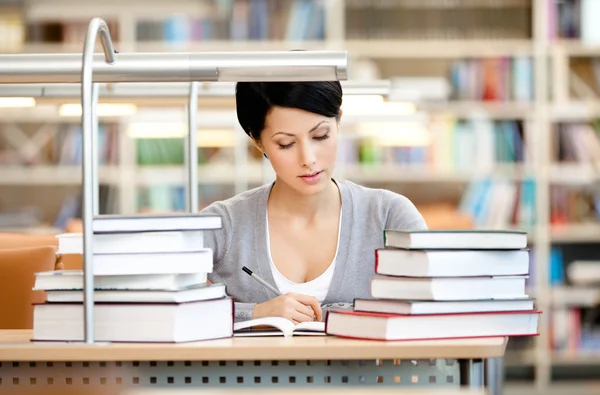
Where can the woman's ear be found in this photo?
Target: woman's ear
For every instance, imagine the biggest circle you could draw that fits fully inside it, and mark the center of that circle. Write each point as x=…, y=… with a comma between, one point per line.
x=259, y=147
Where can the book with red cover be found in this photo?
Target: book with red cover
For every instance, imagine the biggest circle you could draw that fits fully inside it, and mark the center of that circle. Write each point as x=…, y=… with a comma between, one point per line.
x=379, y=326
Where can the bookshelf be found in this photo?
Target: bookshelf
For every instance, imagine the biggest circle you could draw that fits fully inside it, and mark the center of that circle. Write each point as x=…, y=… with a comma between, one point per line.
x=516, y=74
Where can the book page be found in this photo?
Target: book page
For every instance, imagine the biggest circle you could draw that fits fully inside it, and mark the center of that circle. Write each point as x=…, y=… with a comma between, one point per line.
x=264, y=326
x=312, y=328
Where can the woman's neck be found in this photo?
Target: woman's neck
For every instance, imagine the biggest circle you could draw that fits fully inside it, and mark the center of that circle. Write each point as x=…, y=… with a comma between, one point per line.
x=283, y=200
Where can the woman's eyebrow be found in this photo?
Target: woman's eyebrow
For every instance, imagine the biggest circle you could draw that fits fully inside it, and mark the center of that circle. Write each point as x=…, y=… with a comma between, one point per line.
x=310, y=131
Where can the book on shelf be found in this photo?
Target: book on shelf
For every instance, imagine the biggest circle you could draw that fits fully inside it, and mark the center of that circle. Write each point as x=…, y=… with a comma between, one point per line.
x=136, y=322
x=73, y=279
x=194, y=293
x=277, y=326
x=363, y=325
x=450, y=263
x=472, y=239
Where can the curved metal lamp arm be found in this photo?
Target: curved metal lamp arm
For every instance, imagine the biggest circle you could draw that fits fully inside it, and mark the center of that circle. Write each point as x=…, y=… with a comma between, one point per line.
x=96, y=26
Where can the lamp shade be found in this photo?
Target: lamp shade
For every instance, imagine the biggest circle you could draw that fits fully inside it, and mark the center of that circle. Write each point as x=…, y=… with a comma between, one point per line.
x=178, y=67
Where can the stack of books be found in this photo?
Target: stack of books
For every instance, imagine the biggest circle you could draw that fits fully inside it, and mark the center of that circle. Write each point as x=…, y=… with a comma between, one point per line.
x=149, y=284
x=437, y=284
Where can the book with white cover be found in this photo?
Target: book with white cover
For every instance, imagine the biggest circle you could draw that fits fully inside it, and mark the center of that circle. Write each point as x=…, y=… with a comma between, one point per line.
x=460, y=239
x=442, y=306
x=143, y=242
x=155, y=223
x=73, y=279
x=278, y=326
x=136, y=322
x=182, y=295
x=451, y=263
x=447, y=288
x=154, y=263
x=376, y=326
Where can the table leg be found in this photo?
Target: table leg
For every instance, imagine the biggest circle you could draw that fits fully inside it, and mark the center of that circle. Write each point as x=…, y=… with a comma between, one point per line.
x=494, y=375
x=472, y=373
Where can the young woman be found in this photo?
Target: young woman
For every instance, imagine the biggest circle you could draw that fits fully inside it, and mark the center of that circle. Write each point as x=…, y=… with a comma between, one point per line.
x=310, y=236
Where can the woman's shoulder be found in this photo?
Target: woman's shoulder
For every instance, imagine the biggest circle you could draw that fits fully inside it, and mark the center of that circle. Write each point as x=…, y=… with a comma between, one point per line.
x=372, y=197
x=238, y=205
x=394, y=209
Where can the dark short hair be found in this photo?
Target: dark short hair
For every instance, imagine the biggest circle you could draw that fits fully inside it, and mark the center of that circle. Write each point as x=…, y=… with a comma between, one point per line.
x=254, y=101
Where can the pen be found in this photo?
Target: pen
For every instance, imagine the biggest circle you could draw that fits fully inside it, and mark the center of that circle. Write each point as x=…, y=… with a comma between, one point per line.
x=260, y=280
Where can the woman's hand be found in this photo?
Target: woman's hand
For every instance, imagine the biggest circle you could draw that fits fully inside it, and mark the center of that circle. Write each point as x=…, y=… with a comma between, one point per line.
x=295, y=307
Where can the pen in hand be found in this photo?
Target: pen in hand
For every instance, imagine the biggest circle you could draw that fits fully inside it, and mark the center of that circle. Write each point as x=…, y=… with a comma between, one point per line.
x=263, y=282
x=260, y=280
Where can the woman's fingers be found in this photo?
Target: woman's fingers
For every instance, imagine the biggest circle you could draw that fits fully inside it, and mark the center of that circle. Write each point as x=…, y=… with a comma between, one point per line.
x=312, y=303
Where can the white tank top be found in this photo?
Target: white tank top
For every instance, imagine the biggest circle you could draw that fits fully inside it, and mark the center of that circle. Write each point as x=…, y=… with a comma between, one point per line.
x=317, y=287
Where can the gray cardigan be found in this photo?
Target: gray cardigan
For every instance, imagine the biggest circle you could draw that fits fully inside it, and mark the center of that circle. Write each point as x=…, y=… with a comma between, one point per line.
x=366, y=212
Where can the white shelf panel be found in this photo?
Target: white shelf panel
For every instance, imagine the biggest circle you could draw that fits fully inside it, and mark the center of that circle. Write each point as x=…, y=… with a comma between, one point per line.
x=581, y=358
x=575, y=111
x=390, y=49
x=44, y=10
x=408, y=173
x=436, y=48
x=576, y=233
x=52, y=175
x=222, y=173
x=573, y=174
x=225, y=173
x=493, y=110
x=575, y=296
x=575, y=48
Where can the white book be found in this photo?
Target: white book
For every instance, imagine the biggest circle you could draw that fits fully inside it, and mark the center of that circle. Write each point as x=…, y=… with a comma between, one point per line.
x=278, y=326
x=194, y=293
x=467, y=239
x=136, y=322
x=447, y=288
x=73, y=279
x=155, y=223
x=442, y=306
x=107, y=243
x=154, y=263
x=451, y=263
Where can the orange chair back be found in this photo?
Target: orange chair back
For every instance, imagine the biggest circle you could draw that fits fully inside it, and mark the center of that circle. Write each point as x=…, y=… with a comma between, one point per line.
x=18, y=267
x=24, y=240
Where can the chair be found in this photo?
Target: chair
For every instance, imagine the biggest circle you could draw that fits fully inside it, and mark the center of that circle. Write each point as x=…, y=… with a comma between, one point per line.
x=18, y=267
x=23, y=240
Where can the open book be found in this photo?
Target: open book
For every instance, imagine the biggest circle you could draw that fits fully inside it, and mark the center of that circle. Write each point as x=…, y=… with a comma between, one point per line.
x=278, y=326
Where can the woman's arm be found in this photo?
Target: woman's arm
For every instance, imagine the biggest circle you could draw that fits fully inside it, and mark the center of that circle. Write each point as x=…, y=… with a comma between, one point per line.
x=243, y=311
x=218, y=240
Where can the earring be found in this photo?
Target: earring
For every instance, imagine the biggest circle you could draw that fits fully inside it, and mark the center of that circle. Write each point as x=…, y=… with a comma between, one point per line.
x=265, y=155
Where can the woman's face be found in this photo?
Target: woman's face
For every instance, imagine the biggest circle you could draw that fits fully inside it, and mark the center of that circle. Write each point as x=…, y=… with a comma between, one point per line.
x=302, y=148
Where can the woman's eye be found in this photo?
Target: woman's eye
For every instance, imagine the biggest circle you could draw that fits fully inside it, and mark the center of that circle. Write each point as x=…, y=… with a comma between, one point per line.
x=285, y=146
x=323, y=137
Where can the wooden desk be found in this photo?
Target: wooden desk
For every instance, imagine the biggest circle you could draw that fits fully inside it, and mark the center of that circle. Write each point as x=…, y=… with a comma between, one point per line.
x=302, y=362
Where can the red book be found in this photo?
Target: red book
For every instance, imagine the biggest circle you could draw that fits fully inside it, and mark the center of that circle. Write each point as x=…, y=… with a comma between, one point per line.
x=378, y=326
